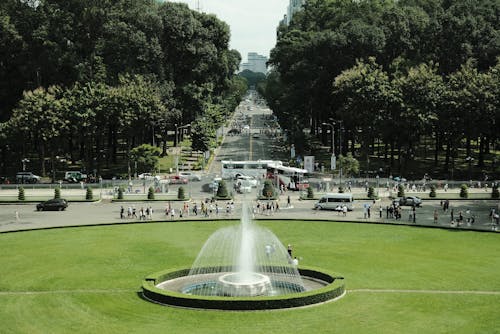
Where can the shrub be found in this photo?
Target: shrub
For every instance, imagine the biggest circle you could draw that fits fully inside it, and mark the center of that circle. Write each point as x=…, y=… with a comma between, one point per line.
x=433, y=191
x=268, y=190
x=151, y=193
x=310, y=193
x=20, y=195
x=401, y=191
x=341, y=190
x=222, y=190
x=371, y=193
x=464, y=193
x=89, y=195
x=57, y=192
x=180, y=193
x=120, y=193
x=494, y=192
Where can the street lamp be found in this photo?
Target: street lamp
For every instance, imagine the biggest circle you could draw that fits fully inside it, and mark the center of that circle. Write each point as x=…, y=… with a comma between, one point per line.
x=24, y=161
x=333, y=136
x=470, y=160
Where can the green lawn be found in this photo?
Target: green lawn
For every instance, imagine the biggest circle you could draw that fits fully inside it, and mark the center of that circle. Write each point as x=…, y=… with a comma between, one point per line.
x=86, y=280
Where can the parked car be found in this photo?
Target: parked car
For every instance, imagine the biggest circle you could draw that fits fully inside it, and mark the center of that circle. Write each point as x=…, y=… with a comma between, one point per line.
x=27, y=177
x=74, y=177
x=408, y=201
x=190, y=176
x=234, y=132
x=148, y=176
x=252, y=181
x=176, y=179
x=56, y=204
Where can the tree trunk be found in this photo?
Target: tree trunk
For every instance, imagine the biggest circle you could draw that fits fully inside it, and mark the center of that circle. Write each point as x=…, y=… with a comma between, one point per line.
x=436, y=151
x=480, y=162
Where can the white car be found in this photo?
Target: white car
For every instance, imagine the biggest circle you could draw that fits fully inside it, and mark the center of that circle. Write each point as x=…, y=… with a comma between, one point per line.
x=148, y=176
x=249, y=180
x=190, y=176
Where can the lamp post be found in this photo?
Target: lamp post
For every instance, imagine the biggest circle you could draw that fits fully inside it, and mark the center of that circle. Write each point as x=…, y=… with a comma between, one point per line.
x=24, y=161
x=333, y=136
x=470, y=160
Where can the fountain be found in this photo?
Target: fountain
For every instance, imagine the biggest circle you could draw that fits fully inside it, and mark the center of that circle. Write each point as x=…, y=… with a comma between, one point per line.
x=244, y=264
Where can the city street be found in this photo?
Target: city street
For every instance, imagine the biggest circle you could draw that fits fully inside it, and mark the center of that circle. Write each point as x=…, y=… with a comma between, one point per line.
x=251, y=144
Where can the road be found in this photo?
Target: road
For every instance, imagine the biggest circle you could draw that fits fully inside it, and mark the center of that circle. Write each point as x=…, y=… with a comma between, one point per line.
x=251, y=144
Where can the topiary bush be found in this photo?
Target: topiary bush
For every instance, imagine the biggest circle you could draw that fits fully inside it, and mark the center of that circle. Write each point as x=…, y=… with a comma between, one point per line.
x=120, y=193
x=89, y=195
x=180, y=193
x=151, y=193
x=268, y=190
x=464, y=192
x=371, y=193
x=494, y=192
x=341, y=190
x=401, y=191
x=57, y=192
x=222, y=190
x=310, y=193
x=20, y=194
x=433, y=191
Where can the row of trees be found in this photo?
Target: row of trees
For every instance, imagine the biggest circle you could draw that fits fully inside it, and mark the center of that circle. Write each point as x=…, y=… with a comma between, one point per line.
x=394, y=72
x=89, y=80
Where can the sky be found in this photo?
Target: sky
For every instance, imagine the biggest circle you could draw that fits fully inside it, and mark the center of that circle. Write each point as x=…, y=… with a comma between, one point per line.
x=253, y=23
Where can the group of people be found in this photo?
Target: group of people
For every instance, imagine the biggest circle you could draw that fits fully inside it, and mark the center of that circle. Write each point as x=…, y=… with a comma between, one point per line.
x=144, y=213
x=266, y=208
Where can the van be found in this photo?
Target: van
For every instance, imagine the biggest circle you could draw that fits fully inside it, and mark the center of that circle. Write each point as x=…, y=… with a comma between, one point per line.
x=74, y=177
x=335, y=201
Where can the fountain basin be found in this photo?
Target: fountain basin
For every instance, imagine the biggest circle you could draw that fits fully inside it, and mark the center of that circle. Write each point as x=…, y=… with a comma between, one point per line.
x=168, y=288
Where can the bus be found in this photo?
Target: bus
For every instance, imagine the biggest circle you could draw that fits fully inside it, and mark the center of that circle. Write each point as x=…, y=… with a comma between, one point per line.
x=257, y=168
x=290, y=177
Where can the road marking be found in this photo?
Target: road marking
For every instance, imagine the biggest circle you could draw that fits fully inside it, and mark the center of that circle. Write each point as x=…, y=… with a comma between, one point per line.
x=442, y=292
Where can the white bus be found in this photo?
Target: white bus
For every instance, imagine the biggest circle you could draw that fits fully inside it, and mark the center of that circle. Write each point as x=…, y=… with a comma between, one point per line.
x=290, y=177
x=257, y=169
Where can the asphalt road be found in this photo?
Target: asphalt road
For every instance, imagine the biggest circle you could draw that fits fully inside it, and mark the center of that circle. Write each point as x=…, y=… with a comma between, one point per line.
x=252, y=144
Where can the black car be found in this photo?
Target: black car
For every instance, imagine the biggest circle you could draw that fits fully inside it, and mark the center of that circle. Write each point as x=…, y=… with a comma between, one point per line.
x=56, y=204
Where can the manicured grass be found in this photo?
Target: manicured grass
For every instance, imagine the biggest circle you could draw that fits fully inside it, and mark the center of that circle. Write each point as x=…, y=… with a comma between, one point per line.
x=86, y=280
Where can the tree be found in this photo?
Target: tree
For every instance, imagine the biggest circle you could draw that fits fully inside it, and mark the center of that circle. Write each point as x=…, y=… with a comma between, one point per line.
x=146, y=156
x=432, y=193
x=494, y=192
x=401, y=191
x=222, y=190
x=268, y=189
x=310, y=193
x=57, y=192
x=120, y=193
x=20, y=194
x=349, y=165
x=180, y=193
x=371, y=193
x=151, y=193
x=90, y=196
x=464, y=192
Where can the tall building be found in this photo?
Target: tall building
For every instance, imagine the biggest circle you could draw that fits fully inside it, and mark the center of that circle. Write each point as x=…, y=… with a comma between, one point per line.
x=256, y=63
x=293, y=7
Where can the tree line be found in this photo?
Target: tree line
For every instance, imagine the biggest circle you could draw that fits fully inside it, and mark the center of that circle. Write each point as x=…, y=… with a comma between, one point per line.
x=89, y=80
x=398, y=76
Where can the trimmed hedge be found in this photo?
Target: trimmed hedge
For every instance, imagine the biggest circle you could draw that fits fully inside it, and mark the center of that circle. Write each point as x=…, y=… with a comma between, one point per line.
x=334, y=289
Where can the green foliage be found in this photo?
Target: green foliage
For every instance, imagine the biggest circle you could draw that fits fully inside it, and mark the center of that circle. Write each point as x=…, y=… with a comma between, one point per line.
x=252, y=78
x=120, y=193
x=222, y=190
x=432, y=193
x=57, y=192
x=89, y=195
x=146, y=156
x=464, y=192
x=310, y=193
x=181, y=193
x=20, y=194
x=268, y=189
x=341, y=189
x=494, y=192
x=151, y=193
x=371, y=193
x=401, y=190
x=349, y=165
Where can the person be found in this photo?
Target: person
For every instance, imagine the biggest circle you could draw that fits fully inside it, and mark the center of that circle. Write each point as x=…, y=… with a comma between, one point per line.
x=122, y=212
x=435, y=216
x=295, y=262
x=289, y=249
x=414, y=214
x=17, y=216
x=452, y=215
x=268, y=250
x=344, y=210
x=380, y=210
x=288, y=202
x=172, y=214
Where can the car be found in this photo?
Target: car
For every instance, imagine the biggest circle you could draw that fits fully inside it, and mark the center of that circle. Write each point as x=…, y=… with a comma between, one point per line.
x=234, y=132
x=148, y=176
x=56, y=204
x=176, y=179
x=250, y=180
x=408, y=201
x=399, y=179
x=27, y=177
x=190, y=176
x=74, y=177
x=256, y=136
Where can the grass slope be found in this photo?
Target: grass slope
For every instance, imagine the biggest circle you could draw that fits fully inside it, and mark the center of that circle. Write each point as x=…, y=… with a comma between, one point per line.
x=86, y=280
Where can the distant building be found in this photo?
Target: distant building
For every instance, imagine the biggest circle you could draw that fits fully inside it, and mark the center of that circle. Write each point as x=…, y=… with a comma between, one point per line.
x=256, y=63
x=293, y=7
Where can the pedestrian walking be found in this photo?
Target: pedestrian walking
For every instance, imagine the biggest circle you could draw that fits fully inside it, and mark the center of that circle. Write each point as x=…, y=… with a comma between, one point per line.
x=435, y=216
x=289, y=250
x=122, y=212
x=17, y=216
x=380, y=210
